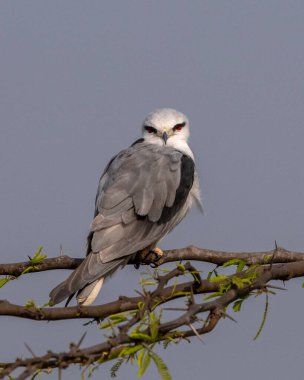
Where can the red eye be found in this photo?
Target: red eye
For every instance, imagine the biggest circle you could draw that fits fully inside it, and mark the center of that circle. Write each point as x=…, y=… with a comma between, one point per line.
x=179, y=127
x=150, y=129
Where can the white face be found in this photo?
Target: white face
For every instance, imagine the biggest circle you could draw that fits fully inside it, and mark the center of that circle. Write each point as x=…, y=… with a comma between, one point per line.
x=166, y=126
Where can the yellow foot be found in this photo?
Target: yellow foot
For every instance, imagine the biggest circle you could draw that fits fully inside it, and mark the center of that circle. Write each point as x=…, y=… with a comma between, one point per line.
x=150, y=255
x=158, y=252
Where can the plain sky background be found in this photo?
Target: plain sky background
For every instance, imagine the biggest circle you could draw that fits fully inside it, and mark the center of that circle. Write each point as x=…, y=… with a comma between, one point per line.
x=76, y=80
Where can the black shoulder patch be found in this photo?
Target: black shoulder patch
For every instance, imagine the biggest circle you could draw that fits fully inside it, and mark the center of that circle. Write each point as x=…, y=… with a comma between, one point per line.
x=138, y=141
x=186, y=182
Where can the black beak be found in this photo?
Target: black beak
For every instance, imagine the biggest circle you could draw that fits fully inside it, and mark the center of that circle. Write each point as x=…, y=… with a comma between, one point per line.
x=165, y=137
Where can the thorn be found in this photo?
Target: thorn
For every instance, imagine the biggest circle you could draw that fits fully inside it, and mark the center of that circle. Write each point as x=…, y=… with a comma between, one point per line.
x=276, y=245
x=138, y=292
x=61, y=250
x=30, y=350
x=196, y=333
x=229, y=317
x=276, y=287
x=81, y=339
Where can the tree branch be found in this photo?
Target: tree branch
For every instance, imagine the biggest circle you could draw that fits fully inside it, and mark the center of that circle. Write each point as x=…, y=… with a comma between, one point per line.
x=141, y=329
x=278, y=255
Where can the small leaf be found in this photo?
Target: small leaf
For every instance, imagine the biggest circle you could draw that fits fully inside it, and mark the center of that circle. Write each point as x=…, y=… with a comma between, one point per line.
x=224, y=287
x=140, y=336
x=27, y=270
x=130, y=350
x=263, y=320
x=147, y=283
x=237, y=305
x=30, y=304
x=38, y=256
x=268, y=258
x=161, y=366
x=144, y=364
x=140, y=357
x=154, y=323
x=238, y=282
x=3, y=281
x=181, y=294
x=240, y=266
x=209, y=275
x=213, y=295
x=233, y=262
x=218, y=278
x=181, y=267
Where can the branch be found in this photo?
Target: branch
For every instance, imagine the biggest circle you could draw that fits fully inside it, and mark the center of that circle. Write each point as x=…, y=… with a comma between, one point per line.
x=140, y=327
x=278, y=255
x=161, y=295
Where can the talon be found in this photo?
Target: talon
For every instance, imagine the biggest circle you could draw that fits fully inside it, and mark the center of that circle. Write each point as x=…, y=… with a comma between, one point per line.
x=150, y=254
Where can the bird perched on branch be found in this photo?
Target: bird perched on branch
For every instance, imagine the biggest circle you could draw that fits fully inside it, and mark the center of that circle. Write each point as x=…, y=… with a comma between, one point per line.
x=144, y=192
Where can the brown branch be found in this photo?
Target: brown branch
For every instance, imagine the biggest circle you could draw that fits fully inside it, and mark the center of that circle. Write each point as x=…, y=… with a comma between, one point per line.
x=60, y=262
x=278, y=272
x=278, y=255
x=278, y=264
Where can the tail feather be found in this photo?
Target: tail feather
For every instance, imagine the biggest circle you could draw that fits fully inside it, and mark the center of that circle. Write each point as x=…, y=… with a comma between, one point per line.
x=88, y=294
x=83, y=281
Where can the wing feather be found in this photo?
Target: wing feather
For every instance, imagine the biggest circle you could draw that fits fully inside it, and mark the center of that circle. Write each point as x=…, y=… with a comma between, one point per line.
x=140, y=198
x=141, y=187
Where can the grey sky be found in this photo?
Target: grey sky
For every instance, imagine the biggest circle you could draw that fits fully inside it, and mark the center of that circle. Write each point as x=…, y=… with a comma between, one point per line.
x=76, y=80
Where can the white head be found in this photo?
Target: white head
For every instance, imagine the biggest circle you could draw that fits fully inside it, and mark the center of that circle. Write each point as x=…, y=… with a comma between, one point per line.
x=166, y=126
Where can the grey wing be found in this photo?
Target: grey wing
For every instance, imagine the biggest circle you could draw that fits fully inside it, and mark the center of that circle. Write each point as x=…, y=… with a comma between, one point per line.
x=141, y=196
x=140, y=200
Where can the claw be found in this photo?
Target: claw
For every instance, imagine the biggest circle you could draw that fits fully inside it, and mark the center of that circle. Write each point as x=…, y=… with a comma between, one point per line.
x=156, y=254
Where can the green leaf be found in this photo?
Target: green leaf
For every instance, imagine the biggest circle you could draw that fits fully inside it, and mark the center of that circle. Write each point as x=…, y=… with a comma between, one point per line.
x=154, y=323
x=181, y=267
x=223, y=288
x=238, y=282
x=147, y=282
x=240, y=266
x=140, y=336
x=140, y=357
x=218, y=278
x=38, y=256
x=161, y=366
x=233, y=262
x=27, y=270
x=117, y=317
x=30, y=304
x=181, y=294
x=130, y=350
x=268, y=258
x=209, y=275
x=3, y=281
x=264, y=318
x=213, y=295
x=145, y=361
x=237, y=305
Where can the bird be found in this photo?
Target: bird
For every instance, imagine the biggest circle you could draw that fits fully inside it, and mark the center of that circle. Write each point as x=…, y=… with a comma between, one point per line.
x=143, y=193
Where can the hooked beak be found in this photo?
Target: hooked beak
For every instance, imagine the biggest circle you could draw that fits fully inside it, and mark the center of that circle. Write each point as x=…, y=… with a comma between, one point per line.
x=165, y=137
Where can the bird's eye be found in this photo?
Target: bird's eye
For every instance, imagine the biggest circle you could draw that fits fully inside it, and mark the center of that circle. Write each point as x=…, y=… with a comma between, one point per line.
x=150, y=129
x=179, y=127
